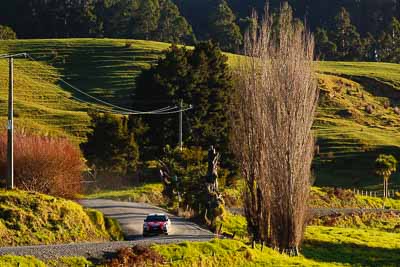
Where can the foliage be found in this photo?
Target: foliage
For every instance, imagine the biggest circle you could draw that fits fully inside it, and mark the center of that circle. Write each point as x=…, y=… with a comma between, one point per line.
x=144, y=19
x=136, y=256
x=371, y=32
x=111, y=147
x=233, y=225
x=385, y=165
x=69, y=262
x=346, y=36
x=324, y=246
x=189, y=167
x=325, y=49
x=7, y=33
x=105, y=224
x=20, y=261
x=199, y=77
x=52, y=166
x=223, y=28
x=146, y=193
x=340, y=198
x=383, y=221
x=29, y=218
x=30, y=261
x=172, y=27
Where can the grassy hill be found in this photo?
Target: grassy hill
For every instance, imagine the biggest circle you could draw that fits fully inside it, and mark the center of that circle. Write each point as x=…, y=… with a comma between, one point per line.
x=31, y=218
x=349, y=137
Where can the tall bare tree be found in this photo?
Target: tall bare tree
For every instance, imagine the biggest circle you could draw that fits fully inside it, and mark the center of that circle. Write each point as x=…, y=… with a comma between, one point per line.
x=272, y=114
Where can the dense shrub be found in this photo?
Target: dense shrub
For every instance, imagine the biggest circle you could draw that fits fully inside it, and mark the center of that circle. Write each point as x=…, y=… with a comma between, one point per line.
x=136, y=256
x=111, y=147
x=48, y=165
x=6, y=33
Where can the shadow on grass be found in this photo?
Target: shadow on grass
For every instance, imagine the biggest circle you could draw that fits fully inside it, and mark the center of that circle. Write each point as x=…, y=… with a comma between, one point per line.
x=353, y=254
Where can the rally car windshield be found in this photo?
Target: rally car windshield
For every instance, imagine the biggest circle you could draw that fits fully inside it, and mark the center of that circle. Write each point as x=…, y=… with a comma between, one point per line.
x=156, y=218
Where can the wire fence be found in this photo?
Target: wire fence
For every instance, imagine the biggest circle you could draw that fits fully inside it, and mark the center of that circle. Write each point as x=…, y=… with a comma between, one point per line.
x=374, y=193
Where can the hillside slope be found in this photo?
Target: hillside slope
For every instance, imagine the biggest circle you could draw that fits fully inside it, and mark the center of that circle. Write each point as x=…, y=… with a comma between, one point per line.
x=29, y=218
x=349, y=136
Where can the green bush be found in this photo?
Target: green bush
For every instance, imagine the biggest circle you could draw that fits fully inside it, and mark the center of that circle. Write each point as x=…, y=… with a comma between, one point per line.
x=114, y=229
x=105, y=224
x=19, y=261
x=7, y=33
x=110, y=146
x=70, y=262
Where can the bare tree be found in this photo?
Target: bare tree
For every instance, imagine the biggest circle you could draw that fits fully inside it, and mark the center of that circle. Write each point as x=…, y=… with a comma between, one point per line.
x=273, y=112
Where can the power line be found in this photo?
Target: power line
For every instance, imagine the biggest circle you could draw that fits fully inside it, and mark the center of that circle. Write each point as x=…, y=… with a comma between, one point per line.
x=111, y=107
x=161, y=111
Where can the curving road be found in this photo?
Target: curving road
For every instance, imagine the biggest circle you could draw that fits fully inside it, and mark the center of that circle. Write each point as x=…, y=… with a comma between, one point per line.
x=130, y=216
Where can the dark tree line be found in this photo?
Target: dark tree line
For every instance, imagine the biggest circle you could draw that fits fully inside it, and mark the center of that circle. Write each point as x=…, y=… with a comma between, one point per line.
x=345, y=29
x=344, y=41
x=140, y=19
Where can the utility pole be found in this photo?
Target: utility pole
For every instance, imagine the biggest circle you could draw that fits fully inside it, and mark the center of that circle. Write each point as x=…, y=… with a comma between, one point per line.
x=10, y=121
x=10, y=127
x=181, y=125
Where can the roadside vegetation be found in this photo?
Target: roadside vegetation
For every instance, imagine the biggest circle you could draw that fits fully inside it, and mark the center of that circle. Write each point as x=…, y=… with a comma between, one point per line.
x=28, y=218
x=323, y=246
x=49, y=165
x=29, y=261
x=147, y=193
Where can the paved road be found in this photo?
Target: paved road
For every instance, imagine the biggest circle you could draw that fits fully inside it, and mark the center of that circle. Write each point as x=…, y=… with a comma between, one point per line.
x=131, y=216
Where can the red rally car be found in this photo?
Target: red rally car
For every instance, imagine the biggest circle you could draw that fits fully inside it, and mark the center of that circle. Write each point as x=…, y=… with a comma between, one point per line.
x=156, y=223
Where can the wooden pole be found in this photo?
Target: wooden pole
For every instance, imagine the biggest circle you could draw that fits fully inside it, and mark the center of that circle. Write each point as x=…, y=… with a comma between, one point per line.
x=10, y=128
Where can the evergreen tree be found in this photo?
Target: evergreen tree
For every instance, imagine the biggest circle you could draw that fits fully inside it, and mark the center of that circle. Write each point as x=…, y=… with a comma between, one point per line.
x=385, y=46
x=395, y=36
x=369, y=48
x=110, y=146
x=325, y=49
x=84, y=22
x=223, y=28
x=145, y=17
x=199, y=77
x=346, y=37
x=115, y=17
x=172, y=27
